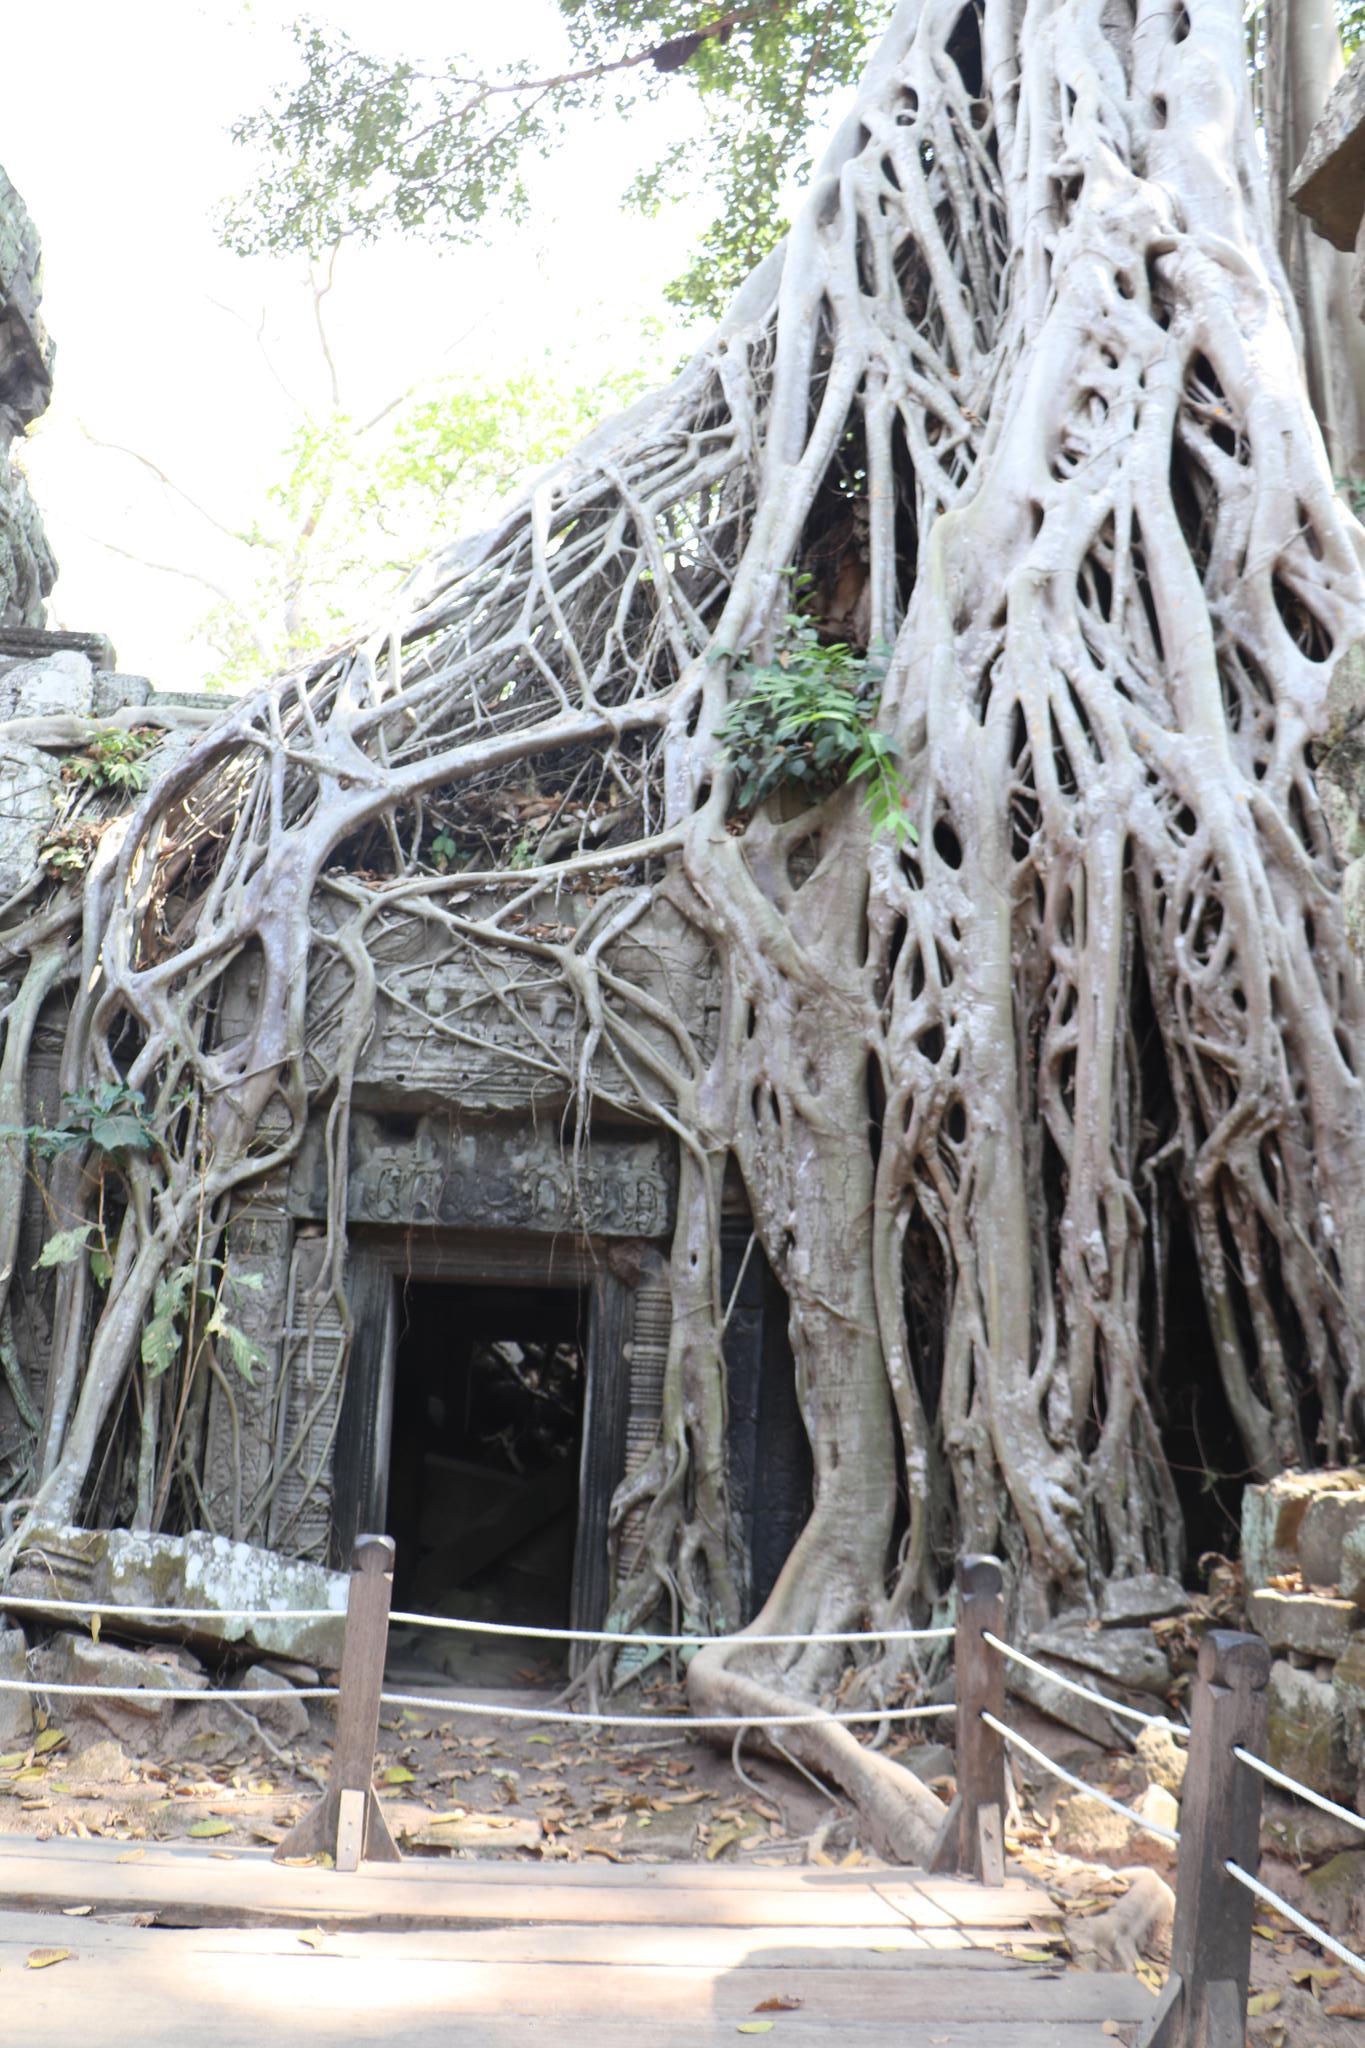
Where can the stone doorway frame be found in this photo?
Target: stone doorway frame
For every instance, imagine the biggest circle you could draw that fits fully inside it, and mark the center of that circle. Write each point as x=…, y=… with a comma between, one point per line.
x=379, y=1260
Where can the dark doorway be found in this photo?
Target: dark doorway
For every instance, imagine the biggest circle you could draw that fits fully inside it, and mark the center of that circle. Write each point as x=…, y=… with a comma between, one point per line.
x=487, y=1427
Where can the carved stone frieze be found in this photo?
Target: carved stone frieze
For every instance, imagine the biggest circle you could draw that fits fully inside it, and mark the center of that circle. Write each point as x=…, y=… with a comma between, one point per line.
x=434, y=1169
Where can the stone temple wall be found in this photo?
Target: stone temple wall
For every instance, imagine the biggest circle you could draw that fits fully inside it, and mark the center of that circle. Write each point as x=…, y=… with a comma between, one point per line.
x=27, y=570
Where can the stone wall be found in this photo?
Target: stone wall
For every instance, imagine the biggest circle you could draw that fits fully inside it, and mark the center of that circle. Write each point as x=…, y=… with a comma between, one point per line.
x=1303, y=1554
x=27, y=570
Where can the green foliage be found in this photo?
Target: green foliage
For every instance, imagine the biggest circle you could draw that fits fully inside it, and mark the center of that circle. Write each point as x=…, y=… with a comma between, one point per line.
x=807, y=721
x=64, y=1247
x=114, y=761
x=113, y=1120
x=67, y=853
x=356, y=145
x=354, y=504
x=203, y=1286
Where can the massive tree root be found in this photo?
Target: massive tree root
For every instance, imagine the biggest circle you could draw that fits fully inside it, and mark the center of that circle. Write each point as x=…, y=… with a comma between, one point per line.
x=1021, y=394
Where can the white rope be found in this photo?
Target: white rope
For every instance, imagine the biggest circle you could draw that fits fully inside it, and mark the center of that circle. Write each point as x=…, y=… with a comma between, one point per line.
x=599, y=1635
x=116, y=1609
x=1084, y=1692
x=1151, y=1827
x=161, y=1693
x=9, y=1603
x=1304, y=1925
x=1256, y=1763
x=438, y=1703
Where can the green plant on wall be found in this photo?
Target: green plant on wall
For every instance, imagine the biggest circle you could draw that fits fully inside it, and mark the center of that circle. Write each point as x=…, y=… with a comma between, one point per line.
x=805, y=720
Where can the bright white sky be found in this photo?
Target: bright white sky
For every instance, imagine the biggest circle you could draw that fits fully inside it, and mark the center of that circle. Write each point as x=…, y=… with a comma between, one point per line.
x=114, y=127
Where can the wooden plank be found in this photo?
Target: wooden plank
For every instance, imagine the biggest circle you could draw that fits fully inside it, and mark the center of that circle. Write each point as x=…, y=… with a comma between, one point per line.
x=345, y=1971
x=253, y=1888
x=733, y=1948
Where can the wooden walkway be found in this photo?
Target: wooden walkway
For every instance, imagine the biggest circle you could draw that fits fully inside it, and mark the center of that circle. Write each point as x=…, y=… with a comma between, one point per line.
x=247, y=1954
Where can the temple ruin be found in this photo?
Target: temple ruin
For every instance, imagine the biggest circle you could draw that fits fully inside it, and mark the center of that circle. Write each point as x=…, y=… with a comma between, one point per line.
x=506, y=1273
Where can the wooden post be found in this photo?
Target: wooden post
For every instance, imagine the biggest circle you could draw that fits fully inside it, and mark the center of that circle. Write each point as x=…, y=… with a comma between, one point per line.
x=348, y=1823
x=1204, y=2004
x=973, y=1835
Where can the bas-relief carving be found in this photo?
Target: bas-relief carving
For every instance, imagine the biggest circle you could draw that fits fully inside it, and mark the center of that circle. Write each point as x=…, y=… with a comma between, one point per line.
x=494, y=1177
x=501, y=1035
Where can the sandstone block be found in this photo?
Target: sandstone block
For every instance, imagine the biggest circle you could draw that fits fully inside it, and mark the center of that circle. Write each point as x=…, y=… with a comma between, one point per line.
x=1307, y=1731
x=1337, y=1892
x=1273, y=1516
x=144, y=1726
x=287, y=1719
x=1353, y=1567
x=192, y=1573
x=1124, y=1656
x=1163, y=1758
x=16, y=1708
x=1149, y=1597
x=1310, y=1623
x=1328, y=1520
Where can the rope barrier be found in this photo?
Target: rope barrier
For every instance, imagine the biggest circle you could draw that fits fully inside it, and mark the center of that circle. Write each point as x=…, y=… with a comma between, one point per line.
x=439, y=1703
x=1084, y=1692
x=1150, y=1827
x=115, y=1609
x=11, y=1604
x=161, y=1693
x=625, y=1641
x=1297, y=1919
x=1256, y=1763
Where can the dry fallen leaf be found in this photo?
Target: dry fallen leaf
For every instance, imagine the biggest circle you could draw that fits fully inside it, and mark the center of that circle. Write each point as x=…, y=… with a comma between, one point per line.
x=780, y=2003
x=51, y=1738
x=78, y=1912
x=44, y=1958
x=131, y=1856
x=1345, y=2009
x=203, y=1829
x=754, y=2027
x=1263, y=2001
x=397, y=1774
x=314, y=1938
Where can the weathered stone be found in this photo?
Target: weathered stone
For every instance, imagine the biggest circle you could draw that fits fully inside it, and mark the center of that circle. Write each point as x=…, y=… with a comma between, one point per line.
x=28, y=785
x=1329, y=185
x=1310, y=1623
x=60, y=685
x=190, y=1573
x=103, y=1763
x=1273, y=1517
x=1303, y=1833
x=113, y=691
x=1307, y=1733
x=1092, y=1832
x=16, y=1708
x=144, y=1725
x=1328, y=1520
x=286, y=1718
x=1348, y=1676
x=1353, y=1567
x=930, y=1760
x=1337, y=1892
x=1148, y=1597
x=1125, y=1656
x=1164, y=1759
x=1066, y=1707
x=1158, y=1807
x=27, y=570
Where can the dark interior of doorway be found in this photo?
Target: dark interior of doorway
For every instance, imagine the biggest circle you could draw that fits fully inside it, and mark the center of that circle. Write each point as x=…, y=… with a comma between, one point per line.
x=484, y=1463
x=1202, y=1445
